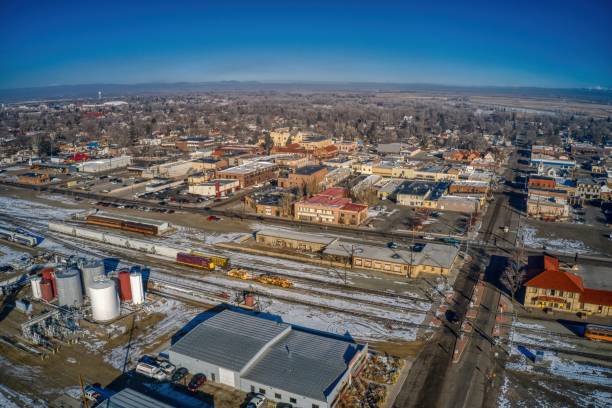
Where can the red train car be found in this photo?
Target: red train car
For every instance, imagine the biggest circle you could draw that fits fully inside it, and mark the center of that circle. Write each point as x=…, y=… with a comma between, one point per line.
x=195, y=261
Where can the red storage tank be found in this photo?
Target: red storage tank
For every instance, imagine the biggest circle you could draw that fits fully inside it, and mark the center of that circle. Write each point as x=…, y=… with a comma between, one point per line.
x=49, y=275
x=125, y=289
x=46, y=290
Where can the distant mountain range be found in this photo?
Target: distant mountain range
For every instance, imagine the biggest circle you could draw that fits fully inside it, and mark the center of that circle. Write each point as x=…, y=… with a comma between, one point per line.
x=90, y=91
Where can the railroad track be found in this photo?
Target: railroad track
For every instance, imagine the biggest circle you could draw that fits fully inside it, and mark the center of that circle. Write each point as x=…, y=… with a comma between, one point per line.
x=331, y=285
x=335, y=285
x=189, y=288
x=260, y=289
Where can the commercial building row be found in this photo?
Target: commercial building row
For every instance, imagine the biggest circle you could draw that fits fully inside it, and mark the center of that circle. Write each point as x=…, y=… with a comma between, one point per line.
x=432, y=258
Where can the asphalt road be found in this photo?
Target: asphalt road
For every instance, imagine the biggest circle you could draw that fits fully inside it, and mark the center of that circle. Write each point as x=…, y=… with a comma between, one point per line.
x=434, y=381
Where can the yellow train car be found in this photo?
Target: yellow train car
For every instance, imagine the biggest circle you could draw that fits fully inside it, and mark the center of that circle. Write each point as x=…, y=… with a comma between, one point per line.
x=219, y=260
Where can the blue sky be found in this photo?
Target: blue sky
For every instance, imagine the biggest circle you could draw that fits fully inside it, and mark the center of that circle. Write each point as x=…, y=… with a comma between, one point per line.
x=518, y=43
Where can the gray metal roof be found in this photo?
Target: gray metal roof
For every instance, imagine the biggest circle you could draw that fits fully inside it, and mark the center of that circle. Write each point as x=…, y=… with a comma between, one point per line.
x=303, y=363
x=293, y=360
x=228, y=339
x=129, y=398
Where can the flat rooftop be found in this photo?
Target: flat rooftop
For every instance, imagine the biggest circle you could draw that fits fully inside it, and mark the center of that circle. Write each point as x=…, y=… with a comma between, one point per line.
x=146, y=221
x=594, y=276
x=417, y=188
x=299, y=236
x=248, y=168
x=438, y=255
x=308, y=170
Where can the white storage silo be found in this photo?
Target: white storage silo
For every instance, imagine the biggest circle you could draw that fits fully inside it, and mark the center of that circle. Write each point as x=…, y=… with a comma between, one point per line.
x=91, y=270
x=104, y=300
x=36, y=291
x=137, y=288
x=69, y=288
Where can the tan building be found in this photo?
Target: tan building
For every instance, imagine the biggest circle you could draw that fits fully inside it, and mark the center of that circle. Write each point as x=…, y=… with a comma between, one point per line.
x=291, y=161
x=308, y=177
x=314, y=141
x=34, y=178
x=271, y=205
x=564, y=291
x=432, y=173
x=281, y=136
x=293, y=240
x=210, y=163
x=433, y=259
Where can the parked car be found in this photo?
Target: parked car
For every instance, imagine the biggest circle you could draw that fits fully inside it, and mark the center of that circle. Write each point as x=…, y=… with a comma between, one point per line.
x=196, y=382
x=392, y=245
x=167, y=367
x=256, y=401
x=92, y=395
x=179, y=374
x=213, y=218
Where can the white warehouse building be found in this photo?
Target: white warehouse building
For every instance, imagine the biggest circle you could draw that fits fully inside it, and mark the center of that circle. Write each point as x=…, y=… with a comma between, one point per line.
x=100, y=165
x=215, y=188
x=285, y=363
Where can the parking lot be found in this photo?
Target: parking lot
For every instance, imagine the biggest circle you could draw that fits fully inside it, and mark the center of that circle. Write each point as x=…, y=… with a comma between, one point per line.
x=388, y=216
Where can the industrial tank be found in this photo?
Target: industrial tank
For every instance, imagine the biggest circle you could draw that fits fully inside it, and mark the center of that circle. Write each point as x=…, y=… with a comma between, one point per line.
x=137, y=288
x=46, y=290
x=36, y=291
x=49, y=274
x=125, y=292
x=104, y=300
x=69, y=289
x=91, y=271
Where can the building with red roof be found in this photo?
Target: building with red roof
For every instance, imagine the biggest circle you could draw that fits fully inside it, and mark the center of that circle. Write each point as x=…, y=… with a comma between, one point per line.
x=556, y=289
x=331, y=206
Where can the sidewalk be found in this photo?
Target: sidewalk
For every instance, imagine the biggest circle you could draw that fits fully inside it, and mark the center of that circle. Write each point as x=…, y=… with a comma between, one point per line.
x=393, y=390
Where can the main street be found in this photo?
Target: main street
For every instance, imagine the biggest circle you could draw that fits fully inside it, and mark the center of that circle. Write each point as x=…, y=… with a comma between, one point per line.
x=434, y=380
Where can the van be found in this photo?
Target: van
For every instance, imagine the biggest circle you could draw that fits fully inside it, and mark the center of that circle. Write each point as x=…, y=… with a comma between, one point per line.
x=151, y=371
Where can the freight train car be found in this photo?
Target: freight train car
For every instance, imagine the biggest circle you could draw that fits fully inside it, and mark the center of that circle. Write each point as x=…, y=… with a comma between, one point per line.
x=598, y=332
x=123, y=225
x=195, y=261
x=18, y=238
x=219, y=260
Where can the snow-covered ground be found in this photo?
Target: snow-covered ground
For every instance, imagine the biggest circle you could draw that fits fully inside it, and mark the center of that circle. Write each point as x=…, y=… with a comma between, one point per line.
x=12, y=399
x=176, y=316
x=568, y=246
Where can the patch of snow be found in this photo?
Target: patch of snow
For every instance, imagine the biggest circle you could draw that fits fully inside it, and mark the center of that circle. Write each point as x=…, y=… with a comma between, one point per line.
x=567, y=246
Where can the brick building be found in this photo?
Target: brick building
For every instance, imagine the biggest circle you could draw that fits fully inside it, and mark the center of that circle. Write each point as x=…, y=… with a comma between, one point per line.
x=332, y=206
x=250, y=174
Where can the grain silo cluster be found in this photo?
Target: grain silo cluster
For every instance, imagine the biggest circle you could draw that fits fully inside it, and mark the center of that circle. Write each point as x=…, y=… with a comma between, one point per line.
x=86, y=283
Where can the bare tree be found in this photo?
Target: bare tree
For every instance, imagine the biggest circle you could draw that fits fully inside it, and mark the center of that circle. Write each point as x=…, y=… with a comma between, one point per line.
x=513, y=276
